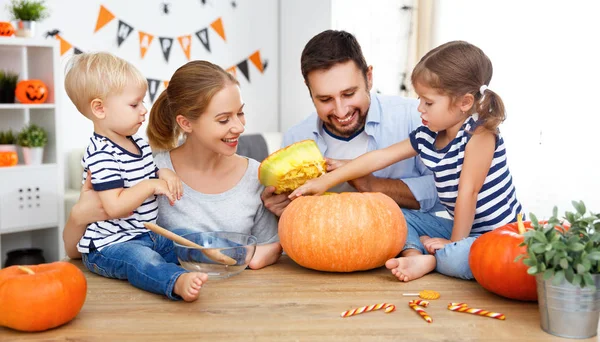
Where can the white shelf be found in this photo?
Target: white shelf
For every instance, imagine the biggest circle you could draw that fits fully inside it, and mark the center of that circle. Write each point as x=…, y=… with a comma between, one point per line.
x=22, y=167
x=16, y=41
x=26, y=106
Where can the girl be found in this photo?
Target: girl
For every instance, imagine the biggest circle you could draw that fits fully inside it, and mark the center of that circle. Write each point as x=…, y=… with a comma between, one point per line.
x=221, y=189
x=460, y=142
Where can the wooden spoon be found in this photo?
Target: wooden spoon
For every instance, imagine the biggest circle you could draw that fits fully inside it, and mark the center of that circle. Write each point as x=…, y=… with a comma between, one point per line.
x=212, y=254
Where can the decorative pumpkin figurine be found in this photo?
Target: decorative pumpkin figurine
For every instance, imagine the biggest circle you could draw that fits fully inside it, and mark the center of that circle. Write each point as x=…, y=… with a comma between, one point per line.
x=290, y=167
x=8, y=158
x=343, y=232
x=40, y=297
x=492, y=261
x=31, y=91
x=6, y=29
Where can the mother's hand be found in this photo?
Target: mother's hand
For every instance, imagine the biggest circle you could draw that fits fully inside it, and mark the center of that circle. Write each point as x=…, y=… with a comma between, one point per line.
x=273, y=202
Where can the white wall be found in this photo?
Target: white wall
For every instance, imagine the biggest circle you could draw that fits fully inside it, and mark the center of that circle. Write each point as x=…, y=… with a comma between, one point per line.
x=546, y=69
x=299, y=22
x=250, y=26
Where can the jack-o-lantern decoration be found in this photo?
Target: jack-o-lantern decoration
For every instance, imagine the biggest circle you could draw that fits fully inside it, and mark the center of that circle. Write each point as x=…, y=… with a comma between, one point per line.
x=31, y=91
x=6, y=29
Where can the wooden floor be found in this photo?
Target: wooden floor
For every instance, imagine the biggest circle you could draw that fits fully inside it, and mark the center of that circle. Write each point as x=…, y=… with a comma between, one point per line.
x=287, y=302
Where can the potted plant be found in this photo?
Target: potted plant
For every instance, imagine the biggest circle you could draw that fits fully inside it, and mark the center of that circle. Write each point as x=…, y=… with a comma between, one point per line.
x=564, y=255
x=32, y=140
x=8, y=85
x=8, y=149
x=26, y=13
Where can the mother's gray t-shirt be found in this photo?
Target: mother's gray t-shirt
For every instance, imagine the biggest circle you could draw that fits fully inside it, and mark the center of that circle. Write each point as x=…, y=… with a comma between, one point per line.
x=238, y=209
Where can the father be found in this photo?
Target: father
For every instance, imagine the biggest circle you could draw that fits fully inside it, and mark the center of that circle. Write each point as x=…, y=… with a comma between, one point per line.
x=351, y=121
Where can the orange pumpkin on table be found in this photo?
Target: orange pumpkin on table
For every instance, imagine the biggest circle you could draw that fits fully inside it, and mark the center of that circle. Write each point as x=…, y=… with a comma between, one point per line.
x=492, y=261
x=6, y=29
x=40, y=297
x=31, y=91
x=342, y=232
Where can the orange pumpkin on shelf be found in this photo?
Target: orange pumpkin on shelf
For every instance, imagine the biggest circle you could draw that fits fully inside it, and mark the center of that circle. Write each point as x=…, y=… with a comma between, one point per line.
x=492, y=261
x=6, y=29
x=342, y=232
x=40, y=297
x=8, y=158
x=31, y=91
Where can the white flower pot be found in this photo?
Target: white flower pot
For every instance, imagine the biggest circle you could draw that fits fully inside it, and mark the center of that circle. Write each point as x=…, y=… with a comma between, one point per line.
x=33, y=155
x=25, y=28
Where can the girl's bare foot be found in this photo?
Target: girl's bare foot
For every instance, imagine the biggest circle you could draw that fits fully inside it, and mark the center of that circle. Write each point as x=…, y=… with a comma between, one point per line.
x=188, y=285
x=411, y=267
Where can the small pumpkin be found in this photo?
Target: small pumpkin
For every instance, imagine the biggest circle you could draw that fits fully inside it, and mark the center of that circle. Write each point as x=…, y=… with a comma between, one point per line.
x=31, y=91
x=492, y=261
x=40, y=297
x=342, y=232
x=8, y=158
x=290, y=167
x=6, y=29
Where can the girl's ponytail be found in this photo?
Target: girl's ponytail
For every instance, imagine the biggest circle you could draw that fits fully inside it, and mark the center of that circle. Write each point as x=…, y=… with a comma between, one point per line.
x=162, y=131
x=490, y=110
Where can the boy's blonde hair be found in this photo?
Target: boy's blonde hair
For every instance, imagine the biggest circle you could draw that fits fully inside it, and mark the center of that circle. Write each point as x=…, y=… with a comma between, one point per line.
x=96, y=75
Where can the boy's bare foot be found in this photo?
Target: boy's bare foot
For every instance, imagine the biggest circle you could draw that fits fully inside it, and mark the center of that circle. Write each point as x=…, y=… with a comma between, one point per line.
x=188, y=285
x=411, y=267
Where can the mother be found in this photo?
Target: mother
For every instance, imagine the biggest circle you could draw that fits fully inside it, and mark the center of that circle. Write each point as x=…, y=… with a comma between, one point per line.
x=221, y=189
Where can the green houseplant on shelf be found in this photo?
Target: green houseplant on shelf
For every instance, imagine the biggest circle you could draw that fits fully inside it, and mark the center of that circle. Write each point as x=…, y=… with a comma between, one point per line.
x=564, y=256
x=32, y=139
x=26, y=13
x=8, y=84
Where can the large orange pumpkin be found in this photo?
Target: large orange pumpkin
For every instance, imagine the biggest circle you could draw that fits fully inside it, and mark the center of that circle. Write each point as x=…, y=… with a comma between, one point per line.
x=40, y=297
x=31, y=91
x=342, y=232
x=492, y=261
x=6, y=29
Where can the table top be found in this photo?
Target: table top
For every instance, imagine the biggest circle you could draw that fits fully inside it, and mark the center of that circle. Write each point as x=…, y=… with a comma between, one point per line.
x=288, y=302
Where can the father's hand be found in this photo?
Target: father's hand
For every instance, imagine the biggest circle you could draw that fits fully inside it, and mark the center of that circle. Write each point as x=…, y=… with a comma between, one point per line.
x=274, y=203
x=362, y=184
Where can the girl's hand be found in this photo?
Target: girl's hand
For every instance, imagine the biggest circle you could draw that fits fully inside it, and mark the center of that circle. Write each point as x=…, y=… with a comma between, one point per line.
x=311, y=187
x=433, y=244
x=173, y=182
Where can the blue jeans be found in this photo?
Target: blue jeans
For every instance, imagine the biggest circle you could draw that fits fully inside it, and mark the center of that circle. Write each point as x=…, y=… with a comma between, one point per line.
x=453, y=259
x=147, y=261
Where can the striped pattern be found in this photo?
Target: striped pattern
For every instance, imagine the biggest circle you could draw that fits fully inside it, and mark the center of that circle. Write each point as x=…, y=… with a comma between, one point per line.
x=386, y=306
x=497, y=202
x=462, y=307
x=113, y=167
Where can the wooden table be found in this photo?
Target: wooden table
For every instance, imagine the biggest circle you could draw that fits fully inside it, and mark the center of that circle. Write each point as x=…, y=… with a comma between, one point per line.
x=288, y=302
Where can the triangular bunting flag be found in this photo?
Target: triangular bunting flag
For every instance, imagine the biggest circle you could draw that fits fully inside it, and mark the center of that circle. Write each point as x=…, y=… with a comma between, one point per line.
x=145, y=41
x=203, y=37
x=255, y=59
x=123, y=31
x=64, y=45
x=232, y=71
x=166, y=83
x=76, y=51
x=104, y=17
x=243, y=66
x=186, y=44
x=152, y=88
x=217, y=25
x=166, y=44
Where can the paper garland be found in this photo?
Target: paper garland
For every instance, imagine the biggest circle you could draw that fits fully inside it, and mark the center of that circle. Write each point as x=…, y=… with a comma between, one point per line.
x=124, y=30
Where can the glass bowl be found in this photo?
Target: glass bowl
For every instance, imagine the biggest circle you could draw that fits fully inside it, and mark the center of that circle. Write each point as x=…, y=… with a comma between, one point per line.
x=223, y=254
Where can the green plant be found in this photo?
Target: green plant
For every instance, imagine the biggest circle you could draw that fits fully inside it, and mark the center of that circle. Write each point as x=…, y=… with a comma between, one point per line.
x=8, y=80
x=28, y=10
x=7, y=138
x=565, y=250
x=32, y=136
